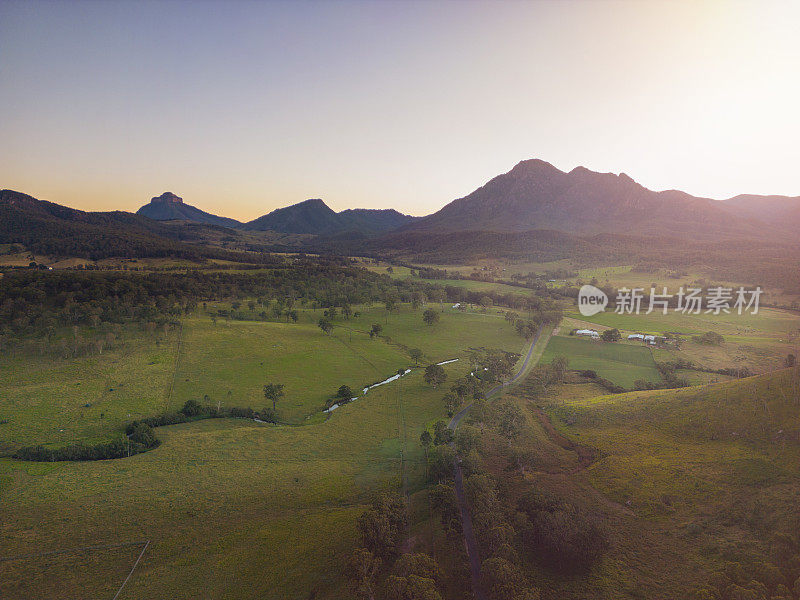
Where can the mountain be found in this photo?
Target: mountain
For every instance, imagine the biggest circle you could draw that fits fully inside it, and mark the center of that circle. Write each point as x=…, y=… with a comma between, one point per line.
x=535, y=195
x=169, y=207
x=316, y=217
x=782, y=211
x=51, y=229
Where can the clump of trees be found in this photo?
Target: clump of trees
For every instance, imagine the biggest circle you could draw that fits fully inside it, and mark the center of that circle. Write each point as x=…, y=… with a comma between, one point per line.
x=611, y=335
x=558, y=533
x=377, y=569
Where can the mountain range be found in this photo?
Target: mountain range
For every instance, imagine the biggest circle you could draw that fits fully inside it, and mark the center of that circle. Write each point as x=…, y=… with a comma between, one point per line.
x=532, y=198
x=535, y=195
x=309, y=217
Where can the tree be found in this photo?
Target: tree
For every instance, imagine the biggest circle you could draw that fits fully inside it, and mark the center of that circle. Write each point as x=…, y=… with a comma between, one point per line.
x=390, y=304
x=504, y=581
x=559, y=365
x=273, y=392
x=611, y=335
x=434, y=375
x=451, y=403
x=510, y=420
x=344, y=393
x=417, y=300
x=790, y=360
x=325, y=325
x=467, y=439
x=293, y=315
x=430, y=316
x=192, y=408
x=442, y=434
x=381, y=526
x=419, y=564
x=377, y=328
x=269, y=415
x=412, y=587
x=439, y=296
x=425, y=439
x=415, y=354
x=480, y=411
x=361, y=570
x=347, y=312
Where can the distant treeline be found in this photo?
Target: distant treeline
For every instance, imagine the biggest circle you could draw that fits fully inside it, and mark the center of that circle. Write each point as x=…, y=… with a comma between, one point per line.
x=34, y=302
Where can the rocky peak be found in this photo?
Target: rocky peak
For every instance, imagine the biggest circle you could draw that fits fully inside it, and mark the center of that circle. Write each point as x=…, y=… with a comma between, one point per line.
x=167, y=197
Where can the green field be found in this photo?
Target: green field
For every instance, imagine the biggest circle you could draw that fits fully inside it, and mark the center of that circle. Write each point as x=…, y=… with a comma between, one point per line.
x=621, y=363
x=759, y=342
x=232, y=508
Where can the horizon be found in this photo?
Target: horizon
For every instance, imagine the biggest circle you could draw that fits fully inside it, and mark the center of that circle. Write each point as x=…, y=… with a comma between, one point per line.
x=186, y=201
x=244, y=108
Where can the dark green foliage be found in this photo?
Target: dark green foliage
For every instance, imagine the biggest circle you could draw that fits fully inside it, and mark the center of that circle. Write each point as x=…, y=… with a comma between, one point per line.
x=382, y=525
x=440, y=465
x=430, y=316
x=191, y=408
x=611, y=335
x=503, y=580
x=560, y=534
x=140, y=436
x=442, y=434
x=434, y=375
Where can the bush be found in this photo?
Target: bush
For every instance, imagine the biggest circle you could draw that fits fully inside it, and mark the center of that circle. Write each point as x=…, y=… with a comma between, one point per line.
x=191, y=408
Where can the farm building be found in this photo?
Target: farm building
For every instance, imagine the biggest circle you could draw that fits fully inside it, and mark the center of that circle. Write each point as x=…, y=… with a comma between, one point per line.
x=588, y=333
x=636, y=336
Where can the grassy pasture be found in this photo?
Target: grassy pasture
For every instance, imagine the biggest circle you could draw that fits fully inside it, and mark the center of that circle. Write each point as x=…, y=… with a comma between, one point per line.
x=621, y=363
x=686, y=481
x=62, y=401
x=235, y=508
x=45, y=400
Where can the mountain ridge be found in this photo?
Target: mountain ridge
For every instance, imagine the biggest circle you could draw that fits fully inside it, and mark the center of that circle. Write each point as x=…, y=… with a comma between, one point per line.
x=536, y=195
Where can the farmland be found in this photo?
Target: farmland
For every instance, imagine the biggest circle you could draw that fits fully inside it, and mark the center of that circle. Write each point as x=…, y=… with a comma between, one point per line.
x=216, y=493
x=621, y=363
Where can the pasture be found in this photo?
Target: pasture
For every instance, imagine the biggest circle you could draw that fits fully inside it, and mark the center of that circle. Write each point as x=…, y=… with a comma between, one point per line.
x=621, y=363
x=235, y=508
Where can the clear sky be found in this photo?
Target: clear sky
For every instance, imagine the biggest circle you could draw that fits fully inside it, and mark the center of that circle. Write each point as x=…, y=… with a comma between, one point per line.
x=244, y=107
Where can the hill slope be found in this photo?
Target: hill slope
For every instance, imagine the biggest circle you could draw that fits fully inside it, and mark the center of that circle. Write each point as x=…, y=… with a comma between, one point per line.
x=781, y=211
x=169, y=207
x=537, y=195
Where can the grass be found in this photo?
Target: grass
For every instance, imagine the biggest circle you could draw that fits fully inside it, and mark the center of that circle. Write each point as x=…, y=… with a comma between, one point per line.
x=685, y=481
x=62, y=401
x=621, y=363
x=235, y=508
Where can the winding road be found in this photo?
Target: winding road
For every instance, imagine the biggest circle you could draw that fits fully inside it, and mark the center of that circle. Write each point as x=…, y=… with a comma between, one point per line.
x=466, y=520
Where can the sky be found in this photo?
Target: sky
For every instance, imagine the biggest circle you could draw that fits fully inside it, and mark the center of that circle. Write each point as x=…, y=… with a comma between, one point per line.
x=243, y=107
